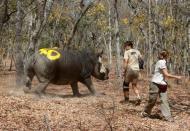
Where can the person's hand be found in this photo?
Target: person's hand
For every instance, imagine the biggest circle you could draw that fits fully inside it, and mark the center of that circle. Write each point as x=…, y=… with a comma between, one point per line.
x=179, y=77
x=123, y=73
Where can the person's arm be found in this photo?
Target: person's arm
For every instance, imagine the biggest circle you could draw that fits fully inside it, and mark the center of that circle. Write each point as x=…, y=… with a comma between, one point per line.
x=125, y=62
x=140, y=55
x=141, y=61
x=166, y=74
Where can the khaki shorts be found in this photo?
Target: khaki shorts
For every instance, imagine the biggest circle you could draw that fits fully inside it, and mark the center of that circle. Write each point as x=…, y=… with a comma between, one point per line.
x=131, y=76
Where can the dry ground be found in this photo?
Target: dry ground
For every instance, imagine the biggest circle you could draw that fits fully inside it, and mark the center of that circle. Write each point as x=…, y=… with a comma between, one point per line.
x=59, y=111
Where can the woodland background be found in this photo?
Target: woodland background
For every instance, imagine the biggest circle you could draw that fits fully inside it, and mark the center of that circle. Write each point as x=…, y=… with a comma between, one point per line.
x=27, y=25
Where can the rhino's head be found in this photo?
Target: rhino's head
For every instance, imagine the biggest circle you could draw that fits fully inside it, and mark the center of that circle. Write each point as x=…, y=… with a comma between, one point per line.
x=100, y=71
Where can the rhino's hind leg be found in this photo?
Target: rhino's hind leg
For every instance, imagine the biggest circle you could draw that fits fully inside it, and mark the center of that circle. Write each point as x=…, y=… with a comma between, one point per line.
x=75, y=89
x=28, y=83
x=41, y=87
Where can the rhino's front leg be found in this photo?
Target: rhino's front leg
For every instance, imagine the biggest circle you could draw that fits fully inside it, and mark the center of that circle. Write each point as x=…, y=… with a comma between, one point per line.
x=89, y=84
x=75, y=89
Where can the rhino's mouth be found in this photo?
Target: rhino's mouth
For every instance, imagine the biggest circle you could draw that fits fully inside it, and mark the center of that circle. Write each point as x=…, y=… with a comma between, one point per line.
x=104, y=75
x=106, y=78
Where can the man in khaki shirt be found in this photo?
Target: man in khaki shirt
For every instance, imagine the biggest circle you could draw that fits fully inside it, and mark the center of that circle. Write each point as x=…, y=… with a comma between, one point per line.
x=131, y=71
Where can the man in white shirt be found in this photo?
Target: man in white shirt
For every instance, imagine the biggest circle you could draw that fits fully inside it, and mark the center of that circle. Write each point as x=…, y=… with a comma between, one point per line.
x=131, y=71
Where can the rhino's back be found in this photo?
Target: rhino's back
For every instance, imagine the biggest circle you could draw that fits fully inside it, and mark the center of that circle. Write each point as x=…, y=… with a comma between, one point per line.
x=68, y=67
x=64, y=70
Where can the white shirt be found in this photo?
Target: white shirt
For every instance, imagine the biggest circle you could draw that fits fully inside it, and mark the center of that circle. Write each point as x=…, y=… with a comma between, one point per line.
x=158, y=77
x=132, y=56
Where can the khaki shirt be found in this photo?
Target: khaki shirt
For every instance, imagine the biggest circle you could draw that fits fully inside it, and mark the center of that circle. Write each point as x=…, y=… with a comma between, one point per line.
x=132, y=56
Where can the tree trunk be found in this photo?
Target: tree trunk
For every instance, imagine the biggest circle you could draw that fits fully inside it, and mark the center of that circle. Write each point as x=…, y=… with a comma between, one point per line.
x=188, y=35
x=18, y=46
x=107, y=48
x=149, y=39
x=118, y=56
x=110, y=35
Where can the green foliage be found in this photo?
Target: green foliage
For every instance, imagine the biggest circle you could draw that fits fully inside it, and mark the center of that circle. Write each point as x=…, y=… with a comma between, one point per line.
x=125, y=21
x=168, y=22
x=98, y=14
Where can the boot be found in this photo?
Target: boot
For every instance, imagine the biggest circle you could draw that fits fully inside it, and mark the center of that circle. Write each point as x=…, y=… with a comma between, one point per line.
x=126, y=100
x=138, y=102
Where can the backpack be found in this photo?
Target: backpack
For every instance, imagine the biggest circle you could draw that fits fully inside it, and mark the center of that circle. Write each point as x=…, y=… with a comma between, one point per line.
x=141, y=63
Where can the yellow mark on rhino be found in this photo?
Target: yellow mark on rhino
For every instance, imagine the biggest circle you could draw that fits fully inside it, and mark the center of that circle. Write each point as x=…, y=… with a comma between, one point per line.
x=51, y=54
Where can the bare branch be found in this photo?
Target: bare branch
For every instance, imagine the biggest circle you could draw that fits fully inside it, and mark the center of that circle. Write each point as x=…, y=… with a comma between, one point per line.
x=77, y=22
x=2, y=3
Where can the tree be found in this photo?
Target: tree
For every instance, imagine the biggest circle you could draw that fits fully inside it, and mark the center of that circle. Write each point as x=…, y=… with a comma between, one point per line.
x=118, y=52
x=18, y=46
x=152, y=25
x=39, y=20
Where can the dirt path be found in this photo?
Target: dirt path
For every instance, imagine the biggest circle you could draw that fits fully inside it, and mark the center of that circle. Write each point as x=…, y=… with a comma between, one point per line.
x=60, y=111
